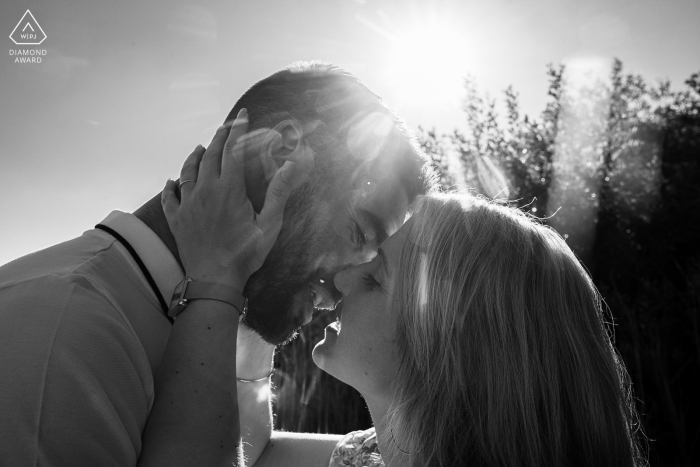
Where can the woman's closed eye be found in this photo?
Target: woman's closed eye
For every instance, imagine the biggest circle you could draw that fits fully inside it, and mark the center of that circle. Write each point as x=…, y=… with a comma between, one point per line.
x=370, y=281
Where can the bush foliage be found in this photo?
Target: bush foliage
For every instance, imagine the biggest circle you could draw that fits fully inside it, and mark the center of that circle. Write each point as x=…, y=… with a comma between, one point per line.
x=614, y=166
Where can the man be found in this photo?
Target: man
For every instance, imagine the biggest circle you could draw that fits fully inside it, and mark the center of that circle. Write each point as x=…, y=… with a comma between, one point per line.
x=83, y=326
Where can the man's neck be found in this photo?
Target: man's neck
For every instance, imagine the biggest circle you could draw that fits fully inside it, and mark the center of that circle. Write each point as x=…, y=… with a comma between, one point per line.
x=151, y=214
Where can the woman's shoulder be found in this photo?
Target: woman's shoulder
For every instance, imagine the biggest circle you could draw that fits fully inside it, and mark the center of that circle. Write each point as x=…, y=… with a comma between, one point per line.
x=357, y=449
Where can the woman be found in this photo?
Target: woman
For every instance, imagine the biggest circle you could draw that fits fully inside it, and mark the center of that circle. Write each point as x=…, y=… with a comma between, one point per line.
x=476, y=338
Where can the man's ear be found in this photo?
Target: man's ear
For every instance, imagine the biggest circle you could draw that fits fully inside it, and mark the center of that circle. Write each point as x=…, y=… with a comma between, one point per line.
x=282, y=143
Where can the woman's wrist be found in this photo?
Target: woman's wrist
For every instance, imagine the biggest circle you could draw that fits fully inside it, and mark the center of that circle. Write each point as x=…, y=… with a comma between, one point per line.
x=254, y=356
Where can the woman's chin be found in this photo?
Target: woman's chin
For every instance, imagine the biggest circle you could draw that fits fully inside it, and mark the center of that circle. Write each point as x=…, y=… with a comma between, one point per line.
x=322, y=352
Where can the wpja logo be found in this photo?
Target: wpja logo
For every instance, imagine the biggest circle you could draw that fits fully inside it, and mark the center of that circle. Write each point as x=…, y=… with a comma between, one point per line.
x=28, y=32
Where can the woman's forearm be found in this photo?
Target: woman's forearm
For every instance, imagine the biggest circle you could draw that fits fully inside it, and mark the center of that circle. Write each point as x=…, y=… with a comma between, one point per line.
x=194, y=420
x=220, y=239
x=254, y=360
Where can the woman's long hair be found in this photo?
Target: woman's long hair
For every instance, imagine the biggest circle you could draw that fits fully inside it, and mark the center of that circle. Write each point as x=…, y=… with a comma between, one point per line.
x=506, y=358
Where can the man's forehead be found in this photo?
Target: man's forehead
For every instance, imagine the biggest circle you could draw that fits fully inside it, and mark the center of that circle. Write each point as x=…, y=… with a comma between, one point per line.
x=381, y=202
x=371, y=182
x=374, y=139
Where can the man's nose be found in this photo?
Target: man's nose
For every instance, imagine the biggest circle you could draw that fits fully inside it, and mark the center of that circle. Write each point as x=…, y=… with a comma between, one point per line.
x=325, y=289
x=336, y=294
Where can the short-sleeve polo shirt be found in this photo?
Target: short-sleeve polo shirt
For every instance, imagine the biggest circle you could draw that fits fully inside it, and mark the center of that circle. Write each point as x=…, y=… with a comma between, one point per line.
x=81, y=336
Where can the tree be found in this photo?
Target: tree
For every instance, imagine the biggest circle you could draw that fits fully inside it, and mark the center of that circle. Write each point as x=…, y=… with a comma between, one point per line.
x=616, y=167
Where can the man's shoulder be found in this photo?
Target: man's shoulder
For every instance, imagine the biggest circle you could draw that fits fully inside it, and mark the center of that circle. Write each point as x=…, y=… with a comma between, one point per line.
x=65, y=260
x=90, y=279
x=73, y=364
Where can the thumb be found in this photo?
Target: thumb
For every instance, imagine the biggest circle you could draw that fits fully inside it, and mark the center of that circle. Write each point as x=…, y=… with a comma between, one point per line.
x=277, y=194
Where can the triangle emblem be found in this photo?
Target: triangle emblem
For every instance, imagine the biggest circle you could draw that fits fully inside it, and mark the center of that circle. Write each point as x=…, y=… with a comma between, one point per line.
x=28, y=31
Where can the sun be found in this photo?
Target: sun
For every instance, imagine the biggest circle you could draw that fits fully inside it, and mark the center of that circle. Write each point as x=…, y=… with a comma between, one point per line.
x=427, y=60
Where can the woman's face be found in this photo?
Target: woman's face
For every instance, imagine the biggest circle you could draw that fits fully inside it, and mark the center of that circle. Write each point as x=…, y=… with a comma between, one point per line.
x=360, y=349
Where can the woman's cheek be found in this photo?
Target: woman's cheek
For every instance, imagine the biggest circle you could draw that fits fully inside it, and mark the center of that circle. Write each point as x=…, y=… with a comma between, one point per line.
x=378, y=359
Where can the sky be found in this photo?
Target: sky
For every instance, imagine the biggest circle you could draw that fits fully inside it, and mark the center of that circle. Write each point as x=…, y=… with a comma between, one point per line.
x=127, y=89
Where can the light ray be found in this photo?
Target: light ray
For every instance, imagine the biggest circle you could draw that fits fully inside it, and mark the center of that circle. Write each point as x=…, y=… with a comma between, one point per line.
x=376, y=28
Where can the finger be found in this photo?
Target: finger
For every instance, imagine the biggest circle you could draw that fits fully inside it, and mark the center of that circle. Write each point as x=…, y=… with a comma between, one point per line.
x=234, y=164
x=169, y=201
x=190, y=170
x=238, y=130
x=210, y=168
x=276, y=198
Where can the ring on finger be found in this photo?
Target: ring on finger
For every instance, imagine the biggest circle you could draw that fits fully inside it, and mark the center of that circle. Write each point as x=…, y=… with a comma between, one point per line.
x=186, y=181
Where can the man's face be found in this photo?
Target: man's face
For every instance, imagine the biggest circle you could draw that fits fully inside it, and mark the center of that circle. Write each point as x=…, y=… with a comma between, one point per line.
x=323, y=233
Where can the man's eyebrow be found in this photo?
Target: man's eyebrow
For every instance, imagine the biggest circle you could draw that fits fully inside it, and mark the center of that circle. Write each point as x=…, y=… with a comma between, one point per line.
x=377, y=224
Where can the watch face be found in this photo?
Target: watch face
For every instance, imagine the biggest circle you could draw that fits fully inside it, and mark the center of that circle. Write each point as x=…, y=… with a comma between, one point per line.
x=177, y=308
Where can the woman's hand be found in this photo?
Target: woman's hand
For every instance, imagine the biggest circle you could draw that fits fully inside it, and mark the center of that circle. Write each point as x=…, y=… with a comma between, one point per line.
x=219, y=236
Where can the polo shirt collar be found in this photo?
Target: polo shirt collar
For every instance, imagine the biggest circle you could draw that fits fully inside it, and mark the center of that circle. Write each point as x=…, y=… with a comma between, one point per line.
x=157, y=258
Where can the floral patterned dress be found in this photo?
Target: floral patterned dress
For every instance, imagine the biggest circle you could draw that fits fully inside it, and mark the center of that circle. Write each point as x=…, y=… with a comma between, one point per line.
x=357, y=449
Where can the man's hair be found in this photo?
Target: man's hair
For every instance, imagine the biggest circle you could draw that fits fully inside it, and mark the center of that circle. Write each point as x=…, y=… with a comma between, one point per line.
x=338, y=112
x=505, y=355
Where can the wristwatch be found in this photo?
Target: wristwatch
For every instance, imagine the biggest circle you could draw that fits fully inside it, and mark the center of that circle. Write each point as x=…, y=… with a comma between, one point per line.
x=189, y=289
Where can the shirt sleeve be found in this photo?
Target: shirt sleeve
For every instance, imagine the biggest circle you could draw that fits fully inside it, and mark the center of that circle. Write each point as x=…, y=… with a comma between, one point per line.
x=78, y=387
x=357, y=449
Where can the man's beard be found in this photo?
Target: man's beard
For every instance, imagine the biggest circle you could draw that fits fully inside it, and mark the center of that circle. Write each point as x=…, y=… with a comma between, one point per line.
x=278, y=293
